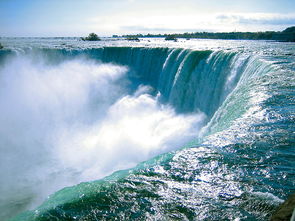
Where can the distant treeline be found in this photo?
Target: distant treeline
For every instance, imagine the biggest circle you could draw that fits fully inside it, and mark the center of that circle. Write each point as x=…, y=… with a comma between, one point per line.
x=286, y=35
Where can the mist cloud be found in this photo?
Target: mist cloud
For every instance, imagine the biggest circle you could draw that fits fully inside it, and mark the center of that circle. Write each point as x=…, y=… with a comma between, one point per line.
x=76, y=121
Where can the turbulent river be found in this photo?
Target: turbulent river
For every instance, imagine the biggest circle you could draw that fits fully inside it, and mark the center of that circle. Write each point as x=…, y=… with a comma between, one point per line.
x=150, y=130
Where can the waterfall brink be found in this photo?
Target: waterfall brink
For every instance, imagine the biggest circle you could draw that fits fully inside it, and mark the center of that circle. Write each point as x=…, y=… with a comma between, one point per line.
x=186, y=79
x=205, y=125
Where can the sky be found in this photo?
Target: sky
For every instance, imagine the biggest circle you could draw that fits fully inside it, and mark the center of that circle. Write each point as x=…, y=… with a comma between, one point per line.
x=61, y=18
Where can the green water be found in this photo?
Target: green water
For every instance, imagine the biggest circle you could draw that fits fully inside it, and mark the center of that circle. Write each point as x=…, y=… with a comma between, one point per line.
x=240, y=165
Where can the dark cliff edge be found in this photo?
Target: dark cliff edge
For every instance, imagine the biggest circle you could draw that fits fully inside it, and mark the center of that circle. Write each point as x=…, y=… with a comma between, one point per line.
x=286, y=211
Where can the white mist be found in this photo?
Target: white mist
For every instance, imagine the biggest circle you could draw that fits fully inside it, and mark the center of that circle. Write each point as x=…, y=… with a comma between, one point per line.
x=76, y=121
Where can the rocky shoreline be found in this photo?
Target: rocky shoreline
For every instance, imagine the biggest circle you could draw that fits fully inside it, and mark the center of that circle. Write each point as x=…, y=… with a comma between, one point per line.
x=286, y=211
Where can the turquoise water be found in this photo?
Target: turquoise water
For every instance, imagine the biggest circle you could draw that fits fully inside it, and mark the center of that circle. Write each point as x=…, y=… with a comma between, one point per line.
x=207, y=127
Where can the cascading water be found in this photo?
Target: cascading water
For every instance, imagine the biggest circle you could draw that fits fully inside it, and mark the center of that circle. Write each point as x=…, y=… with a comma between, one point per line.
x=71, y=116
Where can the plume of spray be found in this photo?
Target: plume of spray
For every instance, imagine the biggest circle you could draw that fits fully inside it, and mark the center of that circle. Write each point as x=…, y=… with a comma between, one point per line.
x=76, y=121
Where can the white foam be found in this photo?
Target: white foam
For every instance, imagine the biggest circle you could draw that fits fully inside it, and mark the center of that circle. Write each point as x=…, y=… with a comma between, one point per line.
x=76, y=121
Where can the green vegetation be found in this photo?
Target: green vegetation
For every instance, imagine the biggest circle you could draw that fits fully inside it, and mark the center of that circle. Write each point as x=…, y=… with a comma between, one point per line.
x=1, y=46
x=286, y=35
x=289, y=30
x=133, y=39
x=91, y=37
x=170, y=38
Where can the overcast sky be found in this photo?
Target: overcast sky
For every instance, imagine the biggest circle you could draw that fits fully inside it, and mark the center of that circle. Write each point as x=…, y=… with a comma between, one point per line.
x=107, y=17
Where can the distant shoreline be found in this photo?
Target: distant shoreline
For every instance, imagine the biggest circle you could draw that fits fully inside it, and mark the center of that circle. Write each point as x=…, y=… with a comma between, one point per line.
x=288, y=35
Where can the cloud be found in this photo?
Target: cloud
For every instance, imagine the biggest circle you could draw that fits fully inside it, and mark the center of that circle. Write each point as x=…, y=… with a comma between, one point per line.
x=125, y=23
x=257, y=19
x=144, y=29
x=146, y=23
